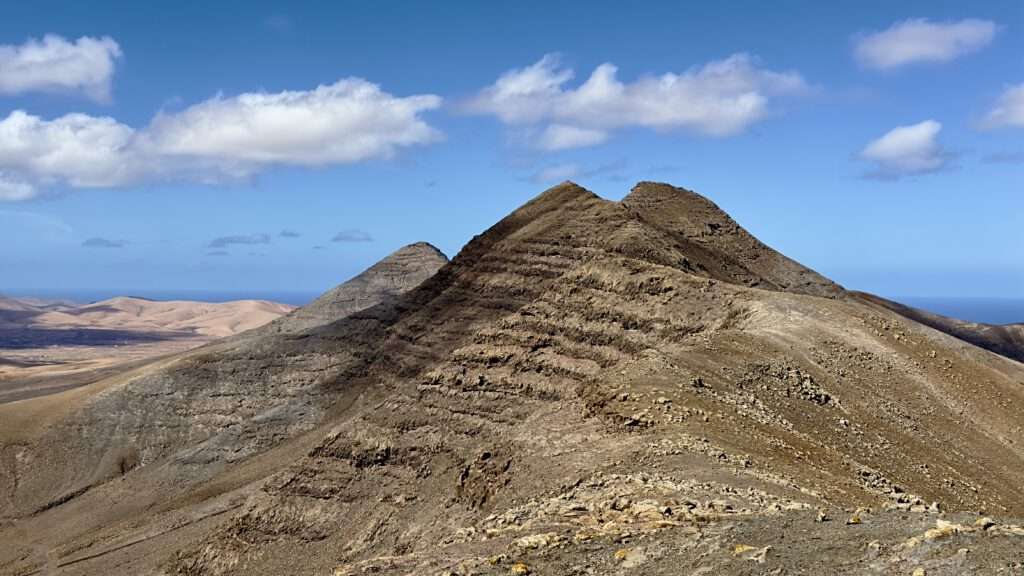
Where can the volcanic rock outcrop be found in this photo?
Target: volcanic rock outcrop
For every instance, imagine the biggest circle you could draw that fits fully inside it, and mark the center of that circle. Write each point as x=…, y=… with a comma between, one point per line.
x=588, y=387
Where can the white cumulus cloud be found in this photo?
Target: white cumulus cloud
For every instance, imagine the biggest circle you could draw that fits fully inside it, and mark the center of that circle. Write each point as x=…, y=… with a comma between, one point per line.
x=920, y=40
x=12, y=190
x=349, y=121
x=80, y=150
x=721, y=98
x=221, y=138
x=907, y=150
x=55, y=64
x=1009, y=109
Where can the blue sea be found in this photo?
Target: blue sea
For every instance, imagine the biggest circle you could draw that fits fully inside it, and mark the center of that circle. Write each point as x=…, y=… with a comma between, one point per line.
x=987, y=310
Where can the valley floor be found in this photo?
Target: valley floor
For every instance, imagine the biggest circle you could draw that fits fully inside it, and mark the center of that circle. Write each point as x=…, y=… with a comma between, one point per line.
x=39, y=371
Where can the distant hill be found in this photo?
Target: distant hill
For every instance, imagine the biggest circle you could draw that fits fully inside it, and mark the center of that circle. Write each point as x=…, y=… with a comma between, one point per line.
x=395, y=274
x=213, y=320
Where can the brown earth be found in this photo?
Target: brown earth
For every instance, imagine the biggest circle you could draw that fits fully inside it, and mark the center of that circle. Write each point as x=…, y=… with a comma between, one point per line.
x=1004, y=339
x=589, y=387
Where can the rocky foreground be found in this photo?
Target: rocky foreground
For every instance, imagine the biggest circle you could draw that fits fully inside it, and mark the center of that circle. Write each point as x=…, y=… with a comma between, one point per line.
x=589, y=387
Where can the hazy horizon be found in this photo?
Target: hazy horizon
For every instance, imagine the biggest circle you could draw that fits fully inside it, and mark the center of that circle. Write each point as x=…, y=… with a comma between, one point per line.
x=989, y=310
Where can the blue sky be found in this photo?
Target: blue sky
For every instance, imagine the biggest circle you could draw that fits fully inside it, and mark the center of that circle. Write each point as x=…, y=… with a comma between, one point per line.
x=880, y=143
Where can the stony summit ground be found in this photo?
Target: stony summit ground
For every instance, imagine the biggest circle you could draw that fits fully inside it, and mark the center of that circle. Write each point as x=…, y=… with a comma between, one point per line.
x=588, y=388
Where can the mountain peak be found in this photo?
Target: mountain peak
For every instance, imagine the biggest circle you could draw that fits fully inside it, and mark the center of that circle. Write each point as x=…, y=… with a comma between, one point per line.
x=416, y=249
x=391, y=276
x=565, y=192
x=700, y=227
x=686, y=210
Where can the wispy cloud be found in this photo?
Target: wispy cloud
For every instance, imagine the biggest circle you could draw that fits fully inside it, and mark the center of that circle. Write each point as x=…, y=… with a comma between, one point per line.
x=562, y=137
x=223, y=138
x=97, y=242
x=1008, y=110
x=907, y=150
x=667, y=168
x=568, y=171
x=38, y=225
x=721, y=98
x=556, y=173
x=226, y=241
x=55, y=64
x=352, y=235
x=279, y=23
x=289, y=234
x=920, y=40
x=217, y=253
x=1004, y=158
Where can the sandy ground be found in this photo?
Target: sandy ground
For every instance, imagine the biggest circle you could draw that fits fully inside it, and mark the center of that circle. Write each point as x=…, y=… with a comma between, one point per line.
x=48, y=347
x=40, y=371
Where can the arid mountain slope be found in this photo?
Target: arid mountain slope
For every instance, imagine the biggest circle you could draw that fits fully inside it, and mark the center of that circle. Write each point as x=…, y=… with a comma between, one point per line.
x=589, y=387
x=1006, y=339
x=14, y=304
x=394, y=275
x=716, y=245
x=201, y=402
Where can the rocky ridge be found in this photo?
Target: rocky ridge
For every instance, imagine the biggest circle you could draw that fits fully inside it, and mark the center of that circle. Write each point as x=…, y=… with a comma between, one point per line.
x=589, y=387
x=394, y=275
